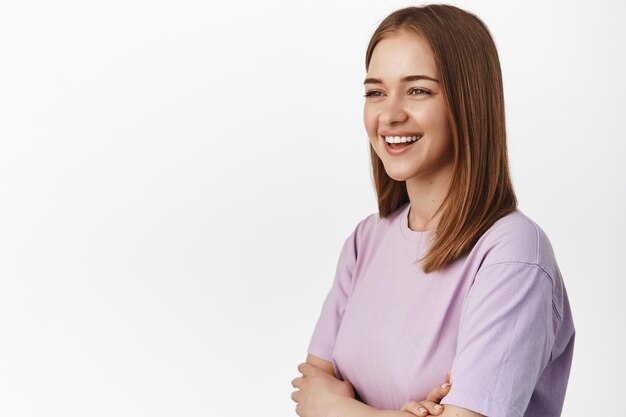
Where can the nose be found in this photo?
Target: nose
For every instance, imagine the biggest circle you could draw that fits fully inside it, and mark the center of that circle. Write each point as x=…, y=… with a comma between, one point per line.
x=392, y=112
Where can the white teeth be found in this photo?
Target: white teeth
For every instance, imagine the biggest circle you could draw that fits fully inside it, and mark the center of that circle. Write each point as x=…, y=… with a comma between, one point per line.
x=401, y=139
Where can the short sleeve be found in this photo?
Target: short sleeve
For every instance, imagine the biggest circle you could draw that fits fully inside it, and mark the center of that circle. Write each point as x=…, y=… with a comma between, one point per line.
x=506, y=334
x=323, y=338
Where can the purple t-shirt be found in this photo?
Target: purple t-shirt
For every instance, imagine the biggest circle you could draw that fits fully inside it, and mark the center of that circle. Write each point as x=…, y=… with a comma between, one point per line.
x=498, y=318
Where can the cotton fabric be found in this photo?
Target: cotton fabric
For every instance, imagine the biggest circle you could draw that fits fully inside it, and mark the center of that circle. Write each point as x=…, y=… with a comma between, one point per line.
x=498, y=318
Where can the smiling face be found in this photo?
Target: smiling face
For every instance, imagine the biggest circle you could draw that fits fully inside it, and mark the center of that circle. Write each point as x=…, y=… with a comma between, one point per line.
x=399, y=106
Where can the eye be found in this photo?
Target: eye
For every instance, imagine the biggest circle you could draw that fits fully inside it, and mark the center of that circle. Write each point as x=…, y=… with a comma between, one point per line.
x=371, y=93
x=376, y=93
x=419, y=89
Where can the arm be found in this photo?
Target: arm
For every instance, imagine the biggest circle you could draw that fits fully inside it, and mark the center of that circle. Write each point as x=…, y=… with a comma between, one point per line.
x=412, y=406
x=344, y=406
x=349, y=407
x=320, y=363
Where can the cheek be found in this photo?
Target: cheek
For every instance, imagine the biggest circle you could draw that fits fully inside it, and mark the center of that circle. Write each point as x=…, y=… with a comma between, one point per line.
x=369, y=120
x=440, y=116
x=435, y=121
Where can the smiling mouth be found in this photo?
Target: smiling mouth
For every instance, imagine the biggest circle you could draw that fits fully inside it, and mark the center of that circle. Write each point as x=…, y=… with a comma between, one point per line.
x=401, y=139
x=399, y=142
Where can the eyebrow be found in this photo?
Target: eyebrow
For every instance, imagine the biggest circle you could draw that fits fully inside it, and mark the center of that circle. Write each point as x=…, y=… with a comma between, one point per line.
x=405, y=79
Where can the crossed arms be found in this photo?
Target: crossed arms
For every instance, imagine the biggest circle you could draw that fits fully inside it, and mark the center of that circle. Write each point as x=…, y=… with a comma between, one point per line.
x=322, y=395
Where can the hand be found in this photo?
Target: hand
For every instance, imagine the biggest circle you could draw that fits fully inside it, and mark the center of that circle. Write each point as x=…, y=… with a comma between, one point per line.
x=429, y=406
x=319, y=391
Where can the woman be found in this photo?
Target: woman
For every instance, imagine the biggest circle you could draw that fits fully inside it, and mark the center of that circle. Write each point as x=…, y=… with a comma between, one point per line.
x=449, y=275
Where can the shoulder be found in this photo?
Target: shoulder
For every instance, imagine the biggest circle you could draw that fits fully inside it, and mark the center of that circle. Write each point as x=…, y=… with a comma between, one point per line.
x=515, y=242
x=373, y=226
x=516, y=238
x=372, y=230
x=515, y=245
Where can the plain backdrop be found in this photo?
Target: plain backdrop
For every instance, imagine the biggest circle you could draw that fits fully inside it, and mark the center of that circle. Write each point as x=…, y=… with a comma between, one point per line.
x=177, y=179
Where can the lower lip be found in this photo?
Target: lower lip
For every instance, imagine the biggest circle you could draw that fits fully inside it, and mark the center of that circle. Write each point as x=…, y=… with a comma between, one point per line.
x=398, y=151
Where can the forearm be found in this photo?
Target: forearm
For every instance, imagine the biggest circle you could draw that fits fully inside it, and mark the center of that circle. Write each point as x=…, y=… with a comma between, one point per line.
x=349, y=407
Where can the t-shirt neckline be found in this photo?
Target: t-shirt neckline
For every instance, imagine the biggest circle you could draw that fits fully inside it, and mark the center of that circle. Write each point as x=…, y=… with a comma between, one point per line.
x=408, y=233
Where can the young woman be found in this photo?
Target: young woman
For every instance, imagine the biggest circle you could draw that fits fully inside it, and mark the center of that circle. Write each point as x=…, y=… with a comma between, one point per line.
x=449, y=275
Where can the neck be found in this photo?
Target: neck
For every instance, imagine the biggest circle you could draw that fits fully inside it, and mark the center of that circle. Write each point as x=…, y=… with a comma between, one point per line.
x=426, y=195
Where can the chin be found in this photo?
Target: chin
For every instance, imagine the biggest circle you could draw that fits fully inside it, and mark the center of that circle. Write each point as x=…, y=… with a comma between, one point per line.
x=398, y=176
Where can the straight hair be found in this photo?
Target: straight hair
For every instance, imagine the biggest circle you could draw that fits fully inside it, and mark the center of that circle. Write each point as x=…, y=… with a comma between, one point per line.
x=481, y=190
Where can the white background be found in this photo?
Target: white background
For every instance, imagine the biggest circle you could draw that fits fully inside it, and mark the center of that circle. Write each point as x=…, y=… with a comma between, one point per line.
x=177, y=179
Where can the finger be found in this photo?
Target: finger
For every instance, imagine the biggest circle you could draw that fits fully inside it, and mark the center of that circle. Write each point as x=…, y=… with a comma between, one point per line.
x=416, y=408
x=298, y=382
x=432, y=407
x=437, y=393
x=448, y=376
x=306, y=369
x=295, y=396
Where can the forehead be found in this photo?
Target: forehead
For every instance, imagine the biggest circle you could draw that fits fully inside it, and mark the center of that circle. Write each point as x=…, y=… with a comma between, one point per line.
x=401, y=54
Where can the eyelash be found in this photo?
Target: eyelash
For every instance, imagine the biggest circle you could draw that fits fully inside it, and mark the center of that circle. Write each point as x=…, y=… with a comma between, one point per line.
x=369, y=93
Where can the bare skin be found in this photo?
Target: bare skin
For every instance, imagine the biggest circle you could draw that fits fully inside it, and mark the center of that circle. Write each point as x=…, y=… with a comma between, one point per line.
x=424, y=408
